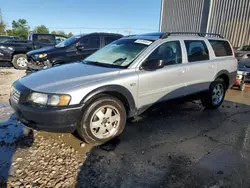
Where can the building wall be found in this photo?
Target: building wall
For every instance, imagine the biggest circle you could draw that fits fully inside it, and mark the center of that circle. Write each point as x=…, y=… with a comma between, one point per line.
x=230, y=18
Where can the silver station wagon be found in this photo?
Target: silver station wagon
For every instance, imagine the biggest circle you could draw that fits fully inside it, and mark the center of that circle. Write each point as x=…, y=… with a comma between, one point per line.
x=96, y=96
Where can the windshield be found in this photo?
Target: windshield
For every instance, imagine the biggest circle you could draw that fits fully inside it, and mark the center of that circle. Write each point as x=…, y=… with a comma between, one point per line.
x=244, y=48
x=67, y=42
x=120, y=53
x=4, y=39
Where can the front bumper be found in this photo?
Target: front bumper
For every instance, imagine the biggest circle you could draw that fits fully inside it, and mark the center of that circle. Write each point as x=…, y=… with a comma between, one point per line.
x=62, y=120
x=38, y=64
x=51, y=119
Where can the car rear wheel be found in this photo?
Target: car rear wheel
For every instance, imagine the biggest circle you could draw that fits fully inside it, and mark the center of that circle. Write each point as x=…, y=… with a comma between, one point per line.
x=216, y=94
x=102, y=120
x=20, y=61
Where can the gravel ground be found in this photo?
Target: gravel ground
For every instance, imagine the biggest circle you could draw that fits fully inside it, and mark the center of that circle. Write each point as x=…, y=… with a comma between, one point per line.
x=172, y=146
x=7, y=77
x=30, y=158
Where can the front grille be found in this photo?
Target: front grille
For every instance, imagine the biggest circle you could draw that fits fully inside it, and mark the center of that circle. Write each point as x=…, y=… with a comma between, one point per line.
x=15, y=94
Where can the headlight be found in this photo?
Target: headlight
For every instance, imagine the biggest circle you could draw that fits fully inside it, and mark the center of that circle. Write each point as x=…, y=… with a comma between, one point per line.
x=50, y=99
x=40, y=55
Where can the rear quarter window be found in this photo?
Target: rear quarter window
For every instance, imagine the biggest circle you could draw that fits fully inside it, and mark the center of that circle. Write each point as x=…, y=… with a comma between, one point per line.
x=45, y=39
x=221, y=48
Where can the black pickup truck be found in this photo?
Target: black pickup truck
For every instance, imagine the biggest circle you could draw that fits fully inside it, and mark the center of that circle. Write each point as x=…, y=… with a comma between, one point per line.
x=73, y=49
x=14, y=50
x=4, y=38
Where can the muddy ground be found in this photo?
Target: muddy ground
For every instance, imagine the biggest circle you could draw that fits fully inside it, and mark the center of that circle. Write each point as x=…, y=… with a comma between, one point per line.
x=169, y=146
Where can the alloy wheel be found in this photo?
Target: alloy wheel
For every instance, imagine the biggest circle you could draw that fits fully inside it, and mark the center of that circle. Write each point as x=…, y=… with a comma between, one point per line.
x=105, y=122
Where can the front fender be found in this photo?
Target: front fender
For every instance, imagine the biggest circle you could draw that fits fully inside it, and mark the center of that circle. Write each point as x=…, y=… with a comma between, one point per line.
x=113, y=88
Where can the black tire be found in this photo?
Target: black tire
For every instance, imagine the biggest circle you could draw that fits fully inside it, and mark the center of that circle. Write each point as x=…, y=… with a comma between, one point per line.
x=16, y=64
x=207, y=100
x=83, y=127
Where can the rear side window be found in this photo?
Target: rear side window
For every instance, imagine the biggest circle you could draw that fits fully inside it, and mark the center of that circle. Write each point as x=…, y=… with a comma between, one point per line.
x=45, y=39
x=90, y=42
x=108, y=40
x=196, y=50
x=221, y=48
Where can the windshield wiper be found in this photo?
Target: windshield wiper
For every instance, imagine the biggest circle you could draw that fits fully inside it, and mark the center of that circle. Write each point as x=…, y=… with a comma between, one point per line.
x=101, y=64
x=120, y=60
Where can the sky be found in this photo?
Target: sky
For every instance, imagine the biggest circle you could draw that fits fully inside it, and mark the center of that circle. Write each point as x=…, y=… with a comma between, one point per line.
x=85, y=16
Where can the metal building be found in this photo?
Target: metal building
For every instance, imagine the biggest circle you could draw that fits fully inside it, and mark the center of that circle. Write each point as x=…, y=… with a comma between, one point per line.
x=230, y=18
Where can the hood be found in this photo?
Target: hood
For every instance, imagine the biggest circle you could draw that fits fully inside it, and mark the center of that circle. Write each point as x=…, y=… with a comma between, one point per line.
x=61, y=78
x=244, y=63
x=42, y=50
x=241, y=52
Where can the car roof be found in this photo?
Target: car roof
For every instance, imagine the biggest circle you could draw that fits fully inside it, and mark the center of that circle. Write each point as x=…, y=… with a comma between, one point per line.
x=147, y=36
x=158, y=35
x=100, y=33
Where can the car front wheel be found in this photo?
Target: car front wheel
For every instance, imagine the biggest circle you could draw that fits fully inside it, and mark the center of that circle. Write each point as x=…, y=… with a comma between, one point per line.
x=102, y=120
x=216, y=94
x=20, y=61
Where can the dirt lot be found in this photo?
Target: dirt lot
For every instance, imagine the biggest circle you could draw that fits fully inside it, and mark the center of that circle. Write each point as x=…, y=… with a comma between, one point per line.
x=170, y=146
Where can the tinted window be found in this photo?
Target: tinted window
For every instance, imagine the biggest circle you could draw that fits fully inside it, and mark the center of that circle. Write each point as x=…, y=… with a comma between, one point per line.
x=221, y=48
x=169, y=51
x=196, y=50
x=68, y=41
x=90, y=42
x=46, y=39
x=108, y=40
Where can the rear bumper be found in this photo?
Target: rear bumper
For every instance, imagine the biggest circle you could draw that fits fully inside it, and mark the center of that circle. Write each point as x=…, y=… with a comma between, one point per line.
x=51, y=119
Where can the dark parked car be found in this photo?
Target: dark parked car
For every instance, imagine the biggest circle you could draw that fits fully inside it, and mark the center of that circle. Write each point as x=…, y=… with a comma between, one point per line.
x=6, y=38
x=73, y=49
x=244, y=65
x=15, y=50
x=243, y=53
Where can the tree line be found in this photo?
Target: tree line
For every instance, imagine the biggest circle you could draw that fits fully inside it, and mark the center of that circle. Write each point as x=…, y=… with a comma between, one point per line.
x=21, y=29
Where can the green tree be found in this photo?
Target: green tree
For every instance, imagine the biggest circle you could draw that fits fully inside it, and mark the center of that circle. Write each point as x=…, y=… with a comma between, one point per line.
x=20, y=28
x=9, y=32
x=70, y=34
x=41, y=29
x=2, y=28
x=61, y=33
x=53, y=32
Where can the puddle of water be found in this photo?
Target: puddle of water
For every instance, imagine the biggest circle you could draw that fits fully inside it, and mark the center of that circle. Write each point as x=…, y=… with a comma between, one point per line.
x=10, y=128
x=69, y=139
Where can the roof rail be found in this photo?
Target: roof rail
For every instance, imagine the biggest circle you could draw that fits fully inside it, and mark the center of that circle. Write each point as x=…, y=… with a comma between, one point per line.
x=129, y=36
x=167, y=34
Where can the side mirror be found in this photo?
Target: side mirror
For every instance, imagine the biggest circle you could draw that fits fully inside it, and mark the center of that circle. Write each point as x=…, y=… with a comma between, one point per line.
x=153, y=64
x=79, y=46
